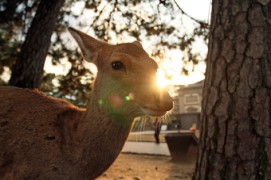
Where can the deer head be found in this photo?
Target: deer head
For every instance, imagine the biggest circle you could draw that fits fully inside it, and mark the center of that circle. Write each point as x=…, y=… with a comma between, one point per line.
x=126, y=81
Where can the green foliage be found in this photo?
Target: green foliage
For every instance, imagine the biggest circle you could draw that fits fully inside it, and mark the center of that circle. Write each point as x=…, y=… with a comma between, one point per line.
x=159, y=22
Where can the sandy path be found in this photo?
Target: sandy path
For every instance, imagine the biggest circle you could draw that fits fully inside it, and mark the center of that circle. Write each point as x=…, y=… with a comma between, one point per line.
x=149, y=167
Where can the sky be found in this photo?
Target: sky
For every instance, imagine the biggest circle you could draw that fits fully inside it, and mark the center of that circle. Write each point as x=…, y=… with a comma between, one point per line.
x=198, y=9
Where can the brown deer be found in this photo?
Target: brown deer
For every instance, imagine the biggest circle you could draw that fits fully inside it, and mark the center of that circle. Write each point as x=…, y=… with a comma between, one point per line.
x=43, y=137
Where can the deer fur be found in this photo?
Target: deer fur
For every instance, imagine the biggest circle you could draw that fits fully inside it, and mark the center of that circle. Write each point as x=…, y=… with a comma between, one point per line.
x=43, y=137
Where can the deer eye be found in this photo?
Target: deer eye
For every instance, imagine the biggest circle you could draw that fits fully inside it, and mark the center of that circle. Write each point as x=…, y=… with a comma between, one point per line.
x=117, y=65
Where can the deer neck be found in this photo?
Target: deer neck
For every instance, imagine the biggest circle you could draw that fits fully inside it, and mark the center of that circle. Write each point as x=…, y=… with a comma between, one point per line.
x=103, y=137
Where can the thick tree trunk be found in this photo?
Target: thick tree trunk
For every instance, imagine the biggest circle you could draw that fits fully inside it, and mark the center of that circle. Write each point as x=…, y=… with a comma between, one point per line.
x=235, y=129
x=28, y=70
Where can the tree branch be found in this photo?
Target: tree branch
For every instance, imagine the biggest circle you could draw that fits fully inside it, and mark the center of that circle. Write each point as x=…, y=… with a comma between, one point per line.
x=204, y=24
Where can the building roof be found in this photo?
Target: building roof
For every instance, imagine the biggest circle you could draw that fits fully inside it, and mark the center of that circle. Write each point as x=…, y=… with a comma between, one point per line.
x=198, y=84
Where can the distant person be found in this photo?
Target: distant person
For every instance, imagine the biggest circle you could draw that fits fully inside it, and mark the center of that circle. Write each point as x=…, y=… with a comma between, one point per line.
x=193, y=128
x=157, y=128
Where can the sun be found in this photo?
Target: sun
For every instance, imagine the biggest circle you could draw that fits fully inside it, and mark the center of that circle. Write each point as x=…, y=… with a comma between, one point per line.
x=161, y=81
x=170, y=74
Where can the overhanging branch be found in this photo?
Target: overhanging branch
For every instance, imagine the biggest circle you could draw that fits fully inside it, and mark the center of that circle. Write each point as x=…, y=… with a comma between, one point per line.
x=203, y=24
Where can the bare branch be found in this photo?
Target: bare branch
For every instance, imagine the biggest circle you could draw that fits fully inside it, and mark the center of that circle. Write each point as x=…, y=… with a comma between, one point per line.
x=203, y=24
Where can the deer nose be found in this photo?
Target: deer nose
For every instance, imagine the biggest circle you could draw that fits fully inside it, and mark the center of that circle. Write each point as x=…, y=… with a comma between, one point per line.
x=165, y=102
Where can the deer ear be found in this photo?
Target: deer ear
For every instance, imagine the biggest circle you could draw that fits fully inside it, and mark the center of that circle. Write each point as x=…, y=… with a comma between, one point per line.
x=89, y=46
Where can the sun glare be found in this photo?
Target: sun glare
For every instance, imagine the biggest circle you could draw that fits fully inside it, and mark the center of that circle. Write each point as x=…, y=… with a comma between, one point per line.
x=161, y=80
x=170, y=73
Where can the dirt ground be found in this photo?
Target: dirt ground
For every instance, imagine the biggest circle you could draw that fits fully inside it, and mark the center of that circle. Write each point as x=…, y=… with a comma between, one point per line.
x=147, y=167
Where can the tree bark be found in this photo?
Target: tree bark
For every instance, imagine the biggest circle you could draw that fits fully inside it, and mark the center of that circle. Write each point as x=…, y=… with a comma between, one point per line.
x=235, y=140
x=28, y=70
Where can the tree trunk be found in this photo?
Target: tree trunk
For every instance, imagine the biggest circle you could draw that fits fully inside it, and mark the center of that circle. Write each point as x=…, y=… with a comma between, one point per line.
x=235, y=129
x=28, y=70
